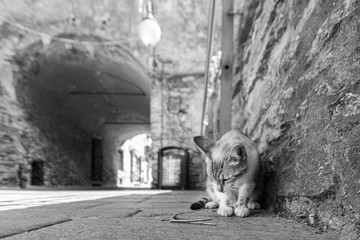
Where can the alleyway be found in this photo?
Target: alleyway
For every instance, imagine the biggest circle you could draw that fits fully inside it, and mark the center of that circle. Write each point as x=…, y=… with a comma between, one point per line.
x=103, y=95
x=134, y=215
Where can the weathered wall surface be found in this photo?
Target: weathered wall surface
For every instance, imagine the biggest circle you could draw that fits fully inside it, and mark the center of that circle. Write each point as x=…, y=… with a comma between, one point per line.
x=297, y=95
x=33, y=127
x=12, y=152
x=176, y=105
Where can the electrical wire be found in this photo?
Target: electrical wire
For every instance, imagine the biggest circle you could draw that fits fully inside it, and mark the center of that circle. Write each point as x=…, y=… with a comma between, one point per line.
x=64, y=40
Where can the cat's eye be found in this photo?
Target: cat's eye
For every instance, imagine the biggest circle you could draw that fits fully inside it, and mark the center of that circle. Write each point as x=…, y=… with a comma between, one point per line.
x=227, y=179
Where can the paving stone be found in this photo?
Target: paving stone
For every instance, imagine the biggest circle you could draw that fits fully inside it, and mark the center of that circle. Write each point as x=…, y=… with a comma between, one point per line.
x=136, y=227
x=99, y=219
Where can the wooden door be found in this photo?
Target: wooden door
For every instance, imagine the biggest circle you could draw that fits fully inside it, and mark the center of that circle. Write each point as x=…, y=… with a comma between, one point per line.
x=173, y=168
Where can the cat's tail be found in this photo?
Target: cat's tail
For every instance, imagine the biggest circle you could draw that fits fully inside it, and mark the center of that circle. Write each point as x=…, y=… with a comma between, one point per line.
x=199, y=204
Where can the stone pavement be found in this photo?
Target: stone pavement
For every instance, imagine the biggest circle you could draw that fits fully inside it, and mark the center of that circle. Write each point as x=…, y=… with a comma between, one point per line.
x=143, y=215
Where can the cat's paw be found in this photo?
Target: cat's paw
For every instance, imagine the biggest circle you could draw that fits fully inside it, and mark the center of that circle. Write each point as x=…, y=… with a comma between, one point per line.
x=225, y=211
x=253, y=205
x=211, y=205
x=242, y=211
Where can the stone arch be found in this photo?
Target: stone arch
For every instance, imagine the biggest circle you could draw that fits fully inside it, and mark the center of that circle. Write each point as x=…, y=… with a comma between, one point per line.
x=67, y=95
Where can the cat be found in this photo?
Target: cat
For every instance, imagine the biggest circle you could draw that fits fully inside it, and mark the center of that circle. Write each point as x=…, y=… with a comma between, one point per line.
x=233, y=174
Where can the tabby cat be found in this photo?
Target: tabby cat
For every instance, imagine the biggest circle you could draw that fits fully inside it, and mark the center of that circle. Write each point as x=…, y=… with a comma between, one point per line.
x=233, y=173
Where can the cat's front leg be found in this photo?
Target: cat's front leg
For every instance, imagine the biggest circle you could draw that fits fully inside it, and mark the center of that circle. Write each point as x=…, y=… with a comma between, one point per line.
x=224, y=209
x=214, y=203
x=245, y=192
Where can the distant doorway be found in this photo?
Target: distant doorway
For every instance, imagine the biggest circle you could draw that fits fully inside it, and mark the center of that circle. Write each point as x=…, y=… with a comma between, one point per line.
x=37, y=173
x=173, y=168
x=97, y=162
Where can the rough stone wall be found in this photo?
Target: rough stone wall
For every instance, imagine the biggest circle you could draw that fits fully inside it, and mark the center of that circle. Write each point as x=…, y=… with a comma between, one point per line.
x=12, y=152
x=297, y=95
x=176, y=104
x=32, y=128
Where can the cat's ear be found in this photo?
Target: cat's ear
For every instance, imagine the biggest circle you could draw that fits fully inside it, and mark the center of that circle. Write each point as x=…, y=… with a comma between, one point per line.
x=205, y=145
x=238, y=156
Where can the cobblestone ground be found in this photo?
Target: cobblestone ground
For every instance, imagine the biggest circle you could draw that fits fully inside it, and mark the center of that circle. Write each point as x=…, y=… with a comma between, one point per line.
x=133, y=215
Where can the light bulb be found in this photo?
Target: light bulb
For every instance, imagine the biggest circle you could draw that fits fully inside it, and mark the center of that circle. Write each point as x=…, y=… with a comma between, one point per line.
x=149, y=31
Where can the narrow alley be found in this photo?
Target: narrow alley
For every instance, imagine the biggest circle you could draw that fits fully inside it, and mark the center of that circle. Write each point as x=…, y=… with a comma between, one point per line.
x=115, y=115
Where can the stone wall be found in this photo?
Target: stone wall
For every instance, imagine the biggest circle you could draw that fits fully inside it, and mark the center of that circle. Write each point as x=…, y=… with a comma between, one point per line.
x=176, y=104
x=33, y=128
x=297, y=95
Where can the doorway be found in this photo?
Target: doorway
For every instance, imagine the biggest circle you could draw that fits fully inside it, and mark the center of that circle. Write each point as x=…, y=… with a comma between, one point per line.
x=97, y=162
x=37, y=173
x=173, y=168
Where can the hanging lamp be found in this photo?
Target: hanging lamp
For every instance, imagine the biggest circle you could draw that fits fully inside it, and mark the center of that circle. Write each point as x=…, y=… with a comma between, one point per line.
x=149, y=28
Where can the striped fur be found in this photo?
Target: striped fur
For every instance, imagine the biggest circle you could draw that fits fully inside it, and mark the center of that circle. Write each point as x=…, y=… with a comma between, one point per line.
x=199, y=204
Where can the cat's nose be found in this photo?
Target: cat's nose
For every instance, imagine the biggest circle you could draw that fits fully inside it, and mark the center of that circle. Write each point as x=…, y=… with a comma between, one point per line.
x=220, y=188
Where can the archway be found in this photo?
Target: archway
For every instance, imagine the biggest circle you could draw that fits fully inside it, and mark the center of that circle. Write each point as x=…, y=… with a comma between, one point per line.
x=72, y=97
